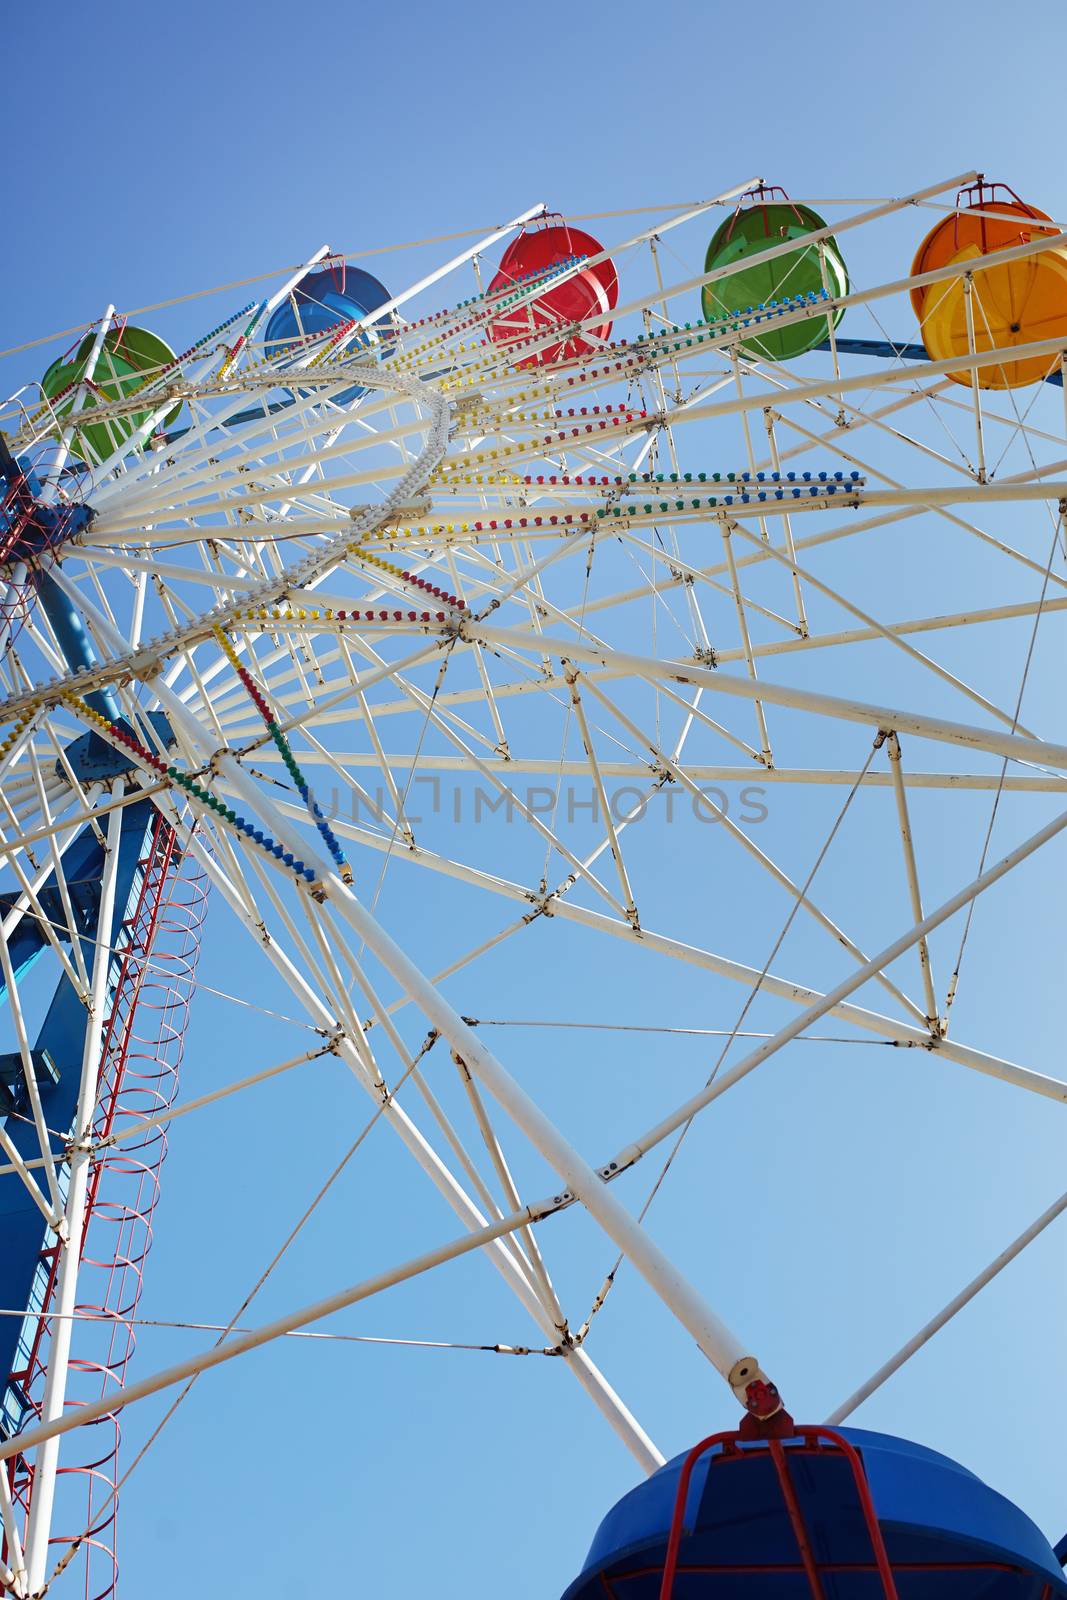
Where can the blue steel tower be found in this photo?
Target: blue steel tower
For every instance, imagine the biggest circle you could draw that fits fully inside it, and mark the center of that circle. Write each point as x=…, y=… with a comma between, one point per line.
x=89, y=927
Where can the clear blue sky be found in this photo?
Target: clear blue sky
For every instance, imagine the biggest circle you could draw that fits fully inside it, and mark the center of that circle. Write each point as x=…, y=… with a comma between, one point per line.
x=154, y=152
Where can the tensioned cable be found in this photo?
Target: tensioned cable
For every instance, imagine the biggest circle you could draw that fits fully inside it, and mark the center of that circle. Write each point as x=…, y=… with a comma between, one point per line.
x=568, y=714
x=294, y=1333
x=737, y=1032
x=402, y=808
x=697, y=1033
x=387, y=1100
x=153, y=968
x=339, y=255
x=221, y=994
x=954, y=980
x=448, y=238
x=598, y=1303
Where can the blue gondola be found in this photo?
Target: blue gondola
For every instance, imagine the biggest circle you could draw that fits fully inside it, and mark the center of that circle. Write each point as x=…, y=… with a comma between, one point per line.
x=324, y=301
x=835, y=1515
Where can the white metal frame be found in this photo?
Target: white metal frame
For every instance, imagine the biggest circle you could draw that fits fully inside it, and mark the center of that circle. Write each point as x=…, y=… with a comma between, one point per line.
x=455, y=468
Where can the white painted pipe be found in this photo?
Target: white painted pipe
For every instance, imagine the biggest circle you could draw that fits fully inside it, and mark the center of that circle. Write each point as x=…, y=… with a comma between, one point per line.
x=44, y=1478
x=49, y=1430
x=721, y=1346
x=873, y=716
x=948, y=908
x=50, y=488
x=926, y=1333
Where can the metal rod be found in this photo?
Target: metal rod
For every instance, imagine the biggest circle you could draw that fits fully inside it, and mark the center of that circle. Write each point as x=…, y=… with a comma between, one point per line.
x=887, y=717
x=904, y=822
x=50, y=1429
x=44, y=1477
x=662, y=1130
x=957, y=1303
x=715, y=1339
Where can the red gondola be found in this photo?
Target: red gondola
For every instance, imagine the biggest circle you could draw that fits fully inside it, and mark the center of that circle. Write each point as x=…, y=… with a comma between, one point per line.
x=586, y=291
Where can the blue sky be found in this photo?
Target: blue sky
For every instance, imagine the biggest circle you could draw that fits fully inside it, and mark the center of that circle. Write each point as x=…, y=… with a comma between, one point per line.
x=156, y=153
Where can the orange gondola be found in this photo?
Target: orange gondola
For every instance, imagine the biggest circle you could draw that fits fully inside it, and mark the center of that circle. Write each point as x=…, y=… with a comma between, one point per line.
x=1013, y=303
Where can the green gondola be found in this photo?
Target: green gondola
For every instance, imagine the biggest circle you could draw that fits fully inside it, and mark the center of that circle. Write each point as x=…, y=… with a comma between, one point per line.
x=129, y=358
x=806, y=270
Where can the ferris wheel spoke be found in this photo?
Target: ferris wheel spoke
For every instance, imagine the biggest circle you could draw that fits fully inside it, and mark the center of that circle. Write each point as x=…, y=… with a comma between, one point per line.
x=941, y=510
x=794, y=890
x=848, y=986
x=674, y=562
x=15, y=1574
x=69, y=920
x=704, y=772
x=694, y=714
x=226, y=585
x=345, y=581
x=519, y=587
x=333, y=705
x=919, y=395
x=51, y=1209
x=920, y=723
x=454, y=728
x=1016, y=427
x=859, y=383
x=714, y=1337
x=891, y=637
x=205, y=460
x=239, y=1344
x=70, y=1244
x=960, y=619
x=577, y=1361
x=904, y=822
x=766, y=756
x=850, y=417
x=30, y=886
x=943, y=1317
x=524, y=1251
x=51, y=1203
x=653, y=941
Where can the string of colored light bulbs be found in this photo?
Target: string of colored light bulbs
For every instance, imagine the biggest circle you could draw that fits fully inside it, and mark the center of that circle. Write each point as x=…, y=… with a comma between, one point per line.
x=646, y=347
x=640, y=352
x=315, y=811
x=522, y=291
x=116, y=734
x=652, y=345
x=143, y=389
x=23, y=721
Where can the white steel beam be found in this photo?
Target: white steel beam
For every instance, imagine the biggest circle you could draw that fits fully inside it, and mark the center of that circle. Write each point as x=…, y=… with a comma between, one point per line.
x=963, y=897
x=44, y=1477
x=872, y=716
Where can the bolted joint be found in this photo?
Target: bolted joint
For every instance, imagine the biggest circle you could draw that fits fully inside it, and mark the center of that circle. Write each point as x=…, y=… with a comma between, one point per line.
x=765, y=1416
x=741, y=1374
x=752, y=1387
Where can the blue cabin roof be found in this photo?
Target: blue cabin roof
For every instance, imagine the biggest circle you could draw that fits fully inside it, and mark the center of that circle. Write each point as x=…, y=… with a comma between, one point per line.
x=948, y=1535
x=325, y=300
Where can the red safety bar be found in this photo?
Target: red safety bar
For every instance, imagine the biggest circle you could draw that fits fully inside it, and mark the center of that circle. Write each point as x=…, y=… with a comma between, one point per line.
x=141, y=1054
x=984, y=194
x=759, y=198
x=816, y=1440
x=806, y=1441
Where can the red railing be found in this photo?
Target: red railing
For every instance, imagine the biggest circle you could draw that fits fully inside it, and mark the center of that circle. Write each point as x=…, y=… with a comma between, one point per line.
x=143, y=1042
x=810, y=1570
x=813, y=1440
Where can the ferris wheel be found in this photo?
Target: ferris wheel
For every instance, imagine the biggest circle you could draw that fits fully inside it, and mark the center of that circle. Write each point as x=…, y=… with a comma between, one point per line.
x=536, y=585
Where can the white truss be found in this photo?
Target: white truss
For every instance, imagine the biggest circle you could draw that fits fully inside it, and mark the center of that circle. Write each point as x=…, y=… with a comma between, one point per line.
x=611, y=630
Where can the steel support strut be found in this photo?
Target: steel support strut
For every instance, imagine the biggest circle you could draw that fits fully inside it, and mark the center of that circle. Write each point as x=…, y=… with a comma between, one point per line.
x=39, y=1524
